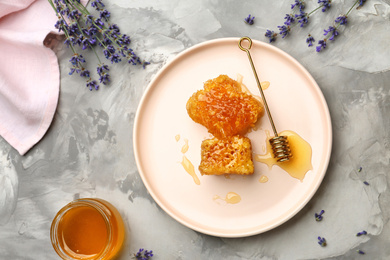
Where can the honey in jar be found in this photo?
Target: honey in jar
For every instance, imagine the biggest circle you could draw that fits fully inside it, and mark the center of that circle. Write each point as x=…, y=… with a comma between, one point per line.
x=88, y=229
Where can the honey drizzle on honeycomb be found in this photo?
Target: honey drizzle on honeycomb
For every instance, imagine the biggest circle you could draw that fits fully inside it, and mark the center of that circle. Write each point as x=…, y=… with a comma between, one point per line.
x=223, y=108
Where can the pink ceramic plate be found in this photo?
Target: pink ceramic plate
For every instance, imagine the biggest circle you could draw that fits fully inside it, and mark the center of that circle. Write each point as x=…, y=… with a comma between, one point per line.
x=296, y=103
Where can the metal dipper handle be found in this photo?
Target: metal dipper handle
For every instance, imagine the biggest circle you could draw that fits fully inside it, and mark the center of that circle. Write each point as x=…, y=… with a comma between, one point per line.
x=279, y=144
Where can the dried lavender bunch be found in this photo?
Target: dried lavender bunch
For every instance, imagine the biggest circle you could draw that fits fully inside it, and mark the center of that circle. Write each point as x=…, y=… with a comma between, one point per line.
x=85, y=31
x=333, y=31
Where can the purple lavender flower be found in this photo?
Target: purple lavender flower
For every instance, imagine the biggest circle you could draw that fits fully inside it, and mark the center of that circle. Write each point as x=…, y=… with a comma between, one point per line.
x=91, y=31
x=108, y=51
x=125, y=39
x=97, y=4
x=99, y=23
x=332, y=31
x=73, y=29
x=104, y=76
x=271, y=35
x=123, y=51
x=321, y=241
x=299, y=4
x=114, y=28
x=144, y=64
x=105, y=15
x=74, y=14
x=60, y=24
x=63, y=9
x=143, y=254
x=92, y=84
x=289, y=19
x=115, y=58
x=325, y=4
x=77, y=59
x=284, y=30
x=102, y=68
x=92, y=40
x=361, y=233
x=321, y=45
x=106, y=40
x=319, y=216
x=342, y=20
x=249, y=20
x=74, y=69
x=310, y=40
x=303, y=18
x=360, y=252
x=132, y=58
x=361, y=2
x=84, y=73
x=85, y=44
x=89, y=19
x=68, y=41
x=76, y=40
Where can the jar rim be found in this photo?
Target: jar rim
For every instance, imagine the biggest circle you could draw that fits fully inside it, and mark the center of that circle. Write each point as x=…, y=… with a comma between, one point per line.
x=85, y=202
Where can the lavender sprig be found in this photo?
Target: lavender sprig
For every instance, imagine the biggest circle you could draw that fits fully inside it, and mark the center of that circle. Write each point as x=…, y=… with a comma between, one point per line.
x=143, y=254
x=319, y=215
x=321, y=45
x=271, y=35
x=321, y=241
x=83, y=30
x=310, y=40
x=333, y=31
x=249, y=20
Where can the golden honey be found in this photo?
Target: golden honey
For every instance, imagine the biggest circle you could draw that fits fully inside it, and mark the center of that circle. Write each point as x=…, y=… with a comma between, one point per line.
x=223, y=108
x=88, y=229
x=230, y=198
x=299, y=164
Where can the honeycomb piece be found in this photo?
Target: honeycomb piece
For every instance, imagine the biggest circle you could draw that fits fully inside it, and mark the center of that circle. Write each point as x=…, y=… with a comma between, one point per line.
x=223, y=108
x=232, y=155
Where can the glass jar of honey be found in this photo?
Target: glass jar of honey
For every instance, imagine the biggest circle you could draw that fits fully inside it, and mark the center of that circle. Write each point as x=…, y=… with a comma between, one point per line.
x=87, y=229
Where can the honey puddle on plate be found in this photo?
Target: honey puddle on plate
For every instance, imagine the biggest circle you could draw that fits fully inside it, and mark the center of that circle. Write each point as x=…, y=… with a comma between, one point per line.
x=185, y=147
x=299, y=164
x=177, y=138
x=263, y=179
x=231, y=198
x=186, y=163
x=189, y=167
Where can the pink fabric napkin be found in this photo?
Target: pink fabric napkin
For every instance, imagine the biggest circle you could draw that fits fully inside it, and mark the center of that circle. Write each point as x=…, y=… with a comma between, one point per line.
x=29, y=72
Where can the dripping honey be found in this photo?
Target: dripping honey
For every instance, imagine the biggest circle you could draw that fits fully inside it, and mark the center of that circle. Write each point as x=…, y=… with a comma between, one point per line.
x=88, y=229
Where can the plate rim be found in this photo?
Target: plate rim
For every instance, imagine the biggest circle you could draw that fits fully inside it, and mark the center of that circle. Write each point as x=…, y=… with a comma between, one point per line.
x=151, y=86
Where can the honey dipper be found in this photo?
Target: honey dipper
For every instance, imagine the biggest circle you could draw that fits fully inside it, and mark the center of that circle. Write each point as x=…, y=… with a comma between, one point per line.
x=279, y=143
